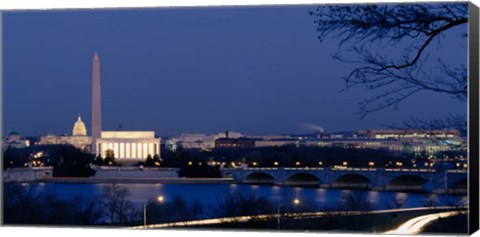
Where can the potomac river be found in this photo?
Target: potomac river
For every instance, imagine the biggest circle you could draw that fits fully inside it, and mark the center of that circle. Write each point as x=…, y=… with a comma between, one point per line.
x=211, y=194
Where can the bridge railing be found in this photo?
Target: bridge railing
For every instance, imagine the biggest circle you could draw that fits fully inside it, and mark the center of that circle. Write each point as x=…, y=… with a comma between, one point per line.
x=339, y=169
x=457, y=171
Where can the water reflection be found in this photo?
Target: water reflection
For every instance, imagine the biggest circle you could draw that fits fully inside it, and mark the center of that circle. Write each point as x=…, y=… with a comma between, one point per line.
x=210, y=194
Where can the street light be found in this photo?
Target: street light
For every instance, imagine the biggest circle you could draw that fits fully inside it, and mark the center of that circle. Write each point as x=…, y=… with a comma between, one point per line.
x=159, y=199
x=295, y=202
x=278, y=215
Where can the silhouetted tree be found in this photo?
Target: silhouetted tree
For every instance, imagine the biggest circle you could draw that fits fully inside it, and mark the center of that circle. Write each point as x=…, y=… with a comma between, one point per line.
x=355, y=201
x=73, y=162
x=176, y=209
x=98, y=160
x=244, y=204
x=14, y=158
x=152, y=162
x=149, y=161
x=392, y=44
x=430, y=201
x=397, y=202
x=109, y=158
x=23, y=205
x=118, y=208
x=199, y=169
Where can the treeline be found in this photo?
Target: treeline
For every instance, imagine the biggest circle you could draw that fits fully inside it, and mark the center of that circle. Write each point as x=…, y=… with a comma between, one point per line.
x=288, y=156
x=23, y=204
x=66, y=160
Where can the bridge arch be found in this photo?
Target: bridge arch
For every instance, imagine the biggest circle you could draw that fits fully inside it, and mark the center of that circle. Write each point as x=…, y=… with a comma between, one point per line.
x=351, y=181
x=259, y=178
x=302, y=179
x=407, y=182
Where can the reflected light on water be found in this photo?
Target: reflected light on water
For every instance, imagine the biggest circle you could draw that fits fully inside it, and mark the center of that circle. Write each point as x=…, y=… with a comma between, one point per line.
x=208, y=193
x=321, y=195
x=401, y=195
x=373, y=196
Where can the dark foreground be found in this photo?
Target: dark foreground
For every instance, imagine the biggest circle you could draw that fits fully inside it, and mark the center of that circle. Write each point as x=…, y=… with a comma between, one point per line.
x=368, y=223
x=451, y=225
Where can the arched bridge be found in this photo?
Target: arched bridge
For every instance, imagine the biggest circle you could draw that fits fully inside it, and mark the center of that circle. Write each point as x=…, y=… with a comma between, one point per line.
x=367, y=178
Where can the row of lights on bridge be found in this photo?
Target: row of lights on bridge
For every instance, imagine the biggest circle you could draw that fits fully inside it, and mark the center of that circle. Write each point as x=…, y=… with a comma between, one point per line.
x=320, y=163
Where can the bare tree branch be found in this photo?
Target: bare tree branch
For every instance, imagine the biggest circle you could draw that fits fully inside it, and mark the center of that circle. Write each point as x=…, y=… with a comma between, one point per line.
x=396, y=76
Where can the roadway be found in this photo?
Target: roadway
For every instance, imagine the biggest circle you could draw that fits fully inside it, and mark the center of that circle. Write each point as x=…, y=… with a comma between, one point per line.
x=417, y=224
x=287, y=215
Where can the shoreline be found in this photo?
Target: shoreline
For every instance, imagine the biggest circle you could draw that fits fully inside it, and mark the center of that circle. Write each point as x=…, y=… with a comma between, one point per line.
x=136, y=180
x=199, y=181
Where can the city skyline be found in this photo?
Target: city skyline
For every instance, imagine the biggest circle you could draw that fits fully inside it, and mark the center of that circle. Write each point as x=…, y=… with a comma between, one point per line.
x=329, y=117
x=187, y=70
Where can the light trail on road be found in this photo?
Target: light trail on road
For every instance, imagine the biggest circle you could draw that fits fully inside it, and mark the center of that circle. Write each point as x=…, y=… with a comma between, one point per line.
x=301, y=215
x=417, y=224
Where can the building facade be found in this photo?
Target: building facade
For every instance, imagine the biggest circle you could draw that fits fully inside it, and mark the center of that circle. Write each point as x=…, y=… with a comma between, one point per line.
x=385, y=134
x=128, y=145
x=79, y=138
x=14, y=140
x=197, y=140
x=416, y=141
x=276, y=142
x=234, y=143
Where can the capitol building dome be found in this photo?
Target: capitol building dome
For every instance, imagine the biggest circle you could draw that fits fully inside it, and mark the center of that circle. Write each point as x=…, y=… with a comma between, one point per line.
x=79, y=128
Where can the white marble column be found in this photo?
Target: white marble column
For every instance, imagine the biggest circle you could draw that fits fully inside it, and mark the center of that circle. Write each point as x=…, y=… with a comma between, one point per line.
x=127, y=150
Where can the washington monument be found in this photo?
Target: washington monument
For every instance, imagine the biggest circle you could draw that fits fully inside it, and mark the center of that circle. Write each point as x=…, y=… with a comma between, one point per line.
x=96, y=102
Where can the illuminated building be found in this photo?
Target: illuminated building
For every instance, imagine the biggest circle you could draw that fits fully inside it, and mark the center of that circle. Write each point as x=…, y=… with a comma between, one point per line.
x=79, y=128
x=191, y=141
x=276, y=142
x=197, y=140
x=417, y=146
x=128, y=145
x=359, y=143
x=383, y=134
x=79, y=138
x=14, y=140
x=234, y=143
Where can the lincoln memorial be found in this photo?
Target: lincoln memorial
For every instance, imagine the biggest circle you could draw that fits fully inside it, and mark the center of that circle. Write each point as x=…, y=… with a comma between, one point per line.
x=128, y=145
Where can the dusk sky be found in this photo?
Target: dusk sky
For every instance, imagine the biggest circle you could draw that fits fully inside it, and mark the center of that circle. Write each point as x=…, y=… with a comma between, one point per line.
x=255, y=70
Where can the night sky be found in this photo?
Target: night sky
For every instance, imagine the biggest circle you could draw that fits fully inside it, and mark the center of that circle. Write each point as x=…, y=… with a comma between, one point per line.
x=256, y=70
